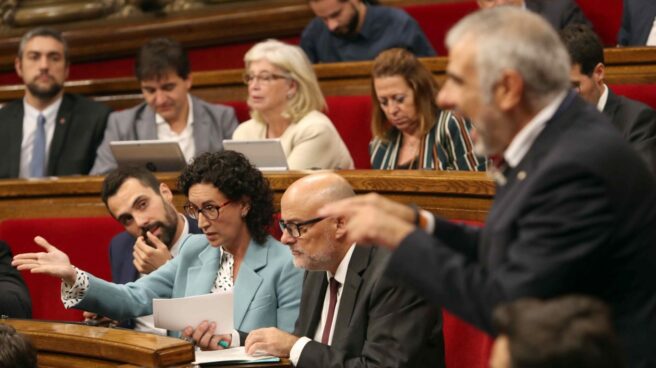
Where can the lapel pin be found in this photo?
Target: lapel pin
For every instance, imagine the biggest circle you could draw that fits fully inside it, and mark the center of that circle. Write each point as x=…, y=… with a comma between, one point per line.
x=62, y=121
x=521, y=175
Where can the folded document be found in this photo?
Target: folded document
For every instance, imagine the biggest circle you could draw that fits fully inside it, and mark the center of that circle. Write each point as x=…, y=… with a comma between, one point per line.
x=233, y=356
x=178, y=313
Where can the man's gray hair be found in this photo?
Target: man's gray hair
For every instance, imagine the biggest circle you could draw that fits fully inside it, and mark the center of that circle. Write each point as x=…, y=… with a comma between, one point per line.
x=506, y=38
x=42, y=32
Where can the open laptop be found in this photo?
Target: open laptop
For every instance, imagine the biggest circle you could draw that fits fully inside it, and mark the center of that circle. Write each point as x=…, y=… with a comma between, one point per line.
x=155, y=155
x=265, y=154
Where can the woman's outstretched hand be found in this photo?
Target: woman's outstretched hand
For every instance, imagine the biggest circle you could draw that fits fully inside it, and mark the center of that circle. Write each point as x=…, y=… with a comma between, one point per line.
x=52, y=262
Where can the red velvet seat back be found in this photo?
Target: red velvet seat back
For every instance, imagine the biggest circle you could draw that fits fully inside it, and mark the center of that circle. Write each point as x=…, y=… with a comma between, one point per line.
x=436, y=19
x=86, y=242
x=646, y=93
x=606, y=18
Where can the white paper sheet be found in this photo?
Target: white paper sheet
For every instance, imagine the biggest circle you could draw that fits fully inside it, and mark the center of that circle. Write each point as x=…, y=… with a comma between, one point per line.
x=234, y=355
x=178, y=313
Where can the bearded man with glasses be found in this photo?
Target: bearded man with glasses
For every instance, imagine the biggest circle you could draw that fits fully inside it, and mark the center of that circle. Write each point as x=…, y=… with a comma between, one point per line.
x=350, y=314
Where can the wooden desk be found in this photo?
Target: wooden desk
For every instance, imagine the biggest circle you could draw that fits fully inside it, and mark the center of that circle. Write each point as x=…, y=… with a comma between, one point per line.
x=456, y=195
x=70, y=345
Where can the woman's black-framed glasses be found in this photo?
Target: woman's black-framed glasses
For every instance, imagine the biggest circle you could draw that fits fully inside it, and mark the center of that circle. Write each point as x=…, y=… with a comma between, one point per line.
x=295, y=229
x=211, y=212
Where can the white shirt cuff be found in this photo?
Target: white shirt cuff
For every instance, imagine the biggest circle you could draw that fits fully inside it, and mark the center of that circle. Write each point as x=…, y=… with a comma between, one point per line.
x=297, y=349
x=72, y=295
x=235, y=342
x=430, y=221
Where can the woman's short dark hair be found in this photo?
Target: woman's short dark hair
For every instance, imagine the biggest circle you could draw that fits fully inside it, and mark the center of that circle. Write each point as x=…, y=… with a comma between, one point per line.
x=232, y=174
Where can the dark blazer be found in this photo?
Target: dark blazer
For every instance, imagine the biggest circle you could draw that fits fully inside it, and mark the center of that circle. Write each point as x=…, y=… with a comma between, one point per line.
x=79, y=129
x=378, y=324
x=120, y=254
x=637, y=122
x=637, y=21
x=14, y=297
x=577, y=215
x=560, y=13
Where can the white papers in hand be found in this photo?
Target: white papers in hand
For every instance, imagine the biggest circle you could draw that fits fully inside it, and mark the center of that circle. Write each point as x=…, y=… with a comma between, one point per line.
x=178, y=313
x=234, y=355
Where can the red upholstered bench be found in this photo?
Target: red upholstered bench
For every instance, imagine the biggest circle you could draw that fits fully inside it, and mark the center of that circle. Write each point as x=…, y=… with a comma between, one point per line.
x=646, y=93
x=86, y=242
x=606, y=18
x=436, y=19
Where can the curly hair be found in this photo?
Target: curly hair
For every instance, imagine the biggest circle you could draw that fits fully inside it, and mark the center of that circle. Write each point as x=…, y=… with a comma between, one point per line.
x=232, y=174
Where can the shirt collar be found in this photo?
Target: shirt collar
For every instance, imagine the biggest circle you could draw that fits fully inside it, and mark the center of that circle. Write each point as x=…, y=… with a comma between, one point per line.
x=190, y=115
x=603, y=99
x=368, y=25
x=342, y=269
x=50, y=112
x=175, y=249
x=525, y=138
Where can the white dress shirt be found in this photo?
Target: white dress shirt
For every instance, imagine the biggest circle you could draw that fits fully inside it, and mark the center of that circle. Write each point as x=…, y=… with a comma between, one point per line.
x=185, y=138
x=30, y=115
x=651, y=40
x=340, y=276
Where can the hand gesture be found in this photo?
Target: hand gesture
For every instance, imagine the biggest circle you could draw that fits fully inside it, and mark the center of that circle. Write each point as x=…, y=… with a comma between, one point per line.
x=52, y=262
x=204, y=337
x=147, y=258
x=271, y=341
x=373, y=219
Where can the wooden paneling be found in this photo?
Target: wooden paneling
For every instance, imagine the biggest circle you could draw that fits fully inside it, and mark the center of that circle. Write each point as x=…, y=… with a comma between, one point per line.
x=456, y=195
x=623, y=65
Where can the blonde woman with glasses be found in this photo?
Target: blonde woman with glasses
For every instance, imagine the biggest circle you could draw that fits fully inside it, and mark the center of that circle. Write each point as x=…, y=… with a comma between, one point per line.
x=286, y=103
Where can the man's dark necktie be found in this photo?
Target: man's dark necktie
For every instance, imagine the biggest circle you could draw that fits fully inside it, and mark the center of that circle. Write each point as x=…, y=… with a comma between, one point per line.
x=334, y=286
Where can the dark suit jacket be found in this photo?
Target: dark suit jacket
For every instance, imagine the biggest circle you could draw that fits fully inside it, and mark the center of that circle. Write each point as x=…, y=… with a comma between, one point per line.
x=559, y=13
x=120, y=259
x=580, y=218
x=378, y=324
x=14, y=297
x=637, y=21
x=79, y=129
x=637, y=122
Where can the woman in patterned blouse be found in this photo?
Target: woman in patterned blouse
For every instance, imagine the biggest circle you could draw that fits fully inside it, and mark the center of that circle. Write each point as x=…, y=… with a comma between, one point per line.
x=409, y=130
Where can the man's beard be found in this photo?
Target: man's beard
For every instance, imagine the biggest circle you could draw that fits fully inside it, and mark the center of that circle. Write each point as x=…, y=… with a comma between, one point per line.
x=44, y=93
x=351, y=27
x=168, y=228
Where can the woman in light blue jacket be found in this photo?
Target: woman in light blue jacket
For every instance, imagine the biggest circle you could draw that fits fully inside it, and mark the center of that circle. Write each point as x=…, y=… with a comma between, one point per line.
x=234, y=205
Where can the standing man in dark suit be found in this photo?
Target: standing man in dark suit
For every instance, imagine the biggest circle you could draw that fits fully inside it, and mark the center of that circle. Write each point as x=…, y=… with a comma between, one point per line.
x=575, y=206
x=48, y=132
x=559, y=13
x=169, y=111
x=14, y=297
x=350, y=315
x=154, y=229
x=638, y=23
x=635, y=120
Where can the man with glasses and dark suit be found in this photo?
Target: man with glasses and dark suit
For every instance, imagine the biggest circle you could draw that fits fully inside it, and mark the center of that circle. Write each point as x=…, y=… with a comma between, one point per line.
x=350, y=315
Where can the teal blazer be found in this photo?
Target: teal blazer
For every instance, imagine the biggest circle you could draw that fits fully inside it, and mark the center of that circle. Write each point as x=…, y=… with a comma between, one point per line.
x=266, y=294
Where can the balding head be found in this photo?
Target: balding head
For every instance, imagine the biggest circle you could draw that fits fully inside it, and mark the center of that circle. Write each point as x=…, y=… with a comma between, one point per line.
x=321, y=243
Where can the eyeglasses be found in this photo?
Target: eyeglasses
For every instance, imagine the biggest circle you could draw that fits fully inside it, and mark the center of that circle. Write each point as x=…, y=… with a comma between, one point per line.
x=295, y=229
x=264, y=78
x=210, y=212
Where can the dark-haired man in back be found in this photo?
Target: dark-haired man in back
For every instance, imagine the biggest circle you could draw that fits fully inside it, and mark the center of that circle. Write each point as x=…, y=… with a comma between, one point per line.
x=559, y=13
x=169, y=112
x=635, y=120
x=351, y=30
x=154, y=229
x=48, y=132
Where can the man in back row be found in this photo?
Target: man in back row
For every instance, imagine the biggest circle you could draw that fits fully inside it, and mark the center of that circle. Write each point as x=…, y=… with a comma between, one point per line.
x=351, y=30
x=559, y=13
x=48, y=132
x=169, y=112
x=635, y=120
